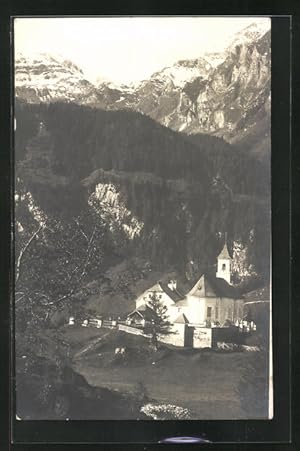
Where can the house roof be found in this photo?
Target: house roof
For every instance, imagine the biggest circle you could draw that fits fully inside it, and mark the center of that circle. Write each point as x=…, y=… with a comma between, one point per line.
x=161, y=287
x=144, y=312
x=182, y=319
x=157, y=287
x=139, y=312
x=175, y=295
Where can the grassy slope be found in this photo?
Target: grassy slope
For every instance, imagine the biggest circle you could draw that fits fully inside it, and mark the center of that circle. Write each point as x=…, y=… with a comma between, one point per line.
x=212, y=385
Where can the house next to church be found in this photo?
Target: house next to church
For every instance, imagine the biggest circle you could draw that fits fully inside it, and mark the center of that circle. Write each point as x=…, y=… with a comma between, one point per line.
x=211, y=303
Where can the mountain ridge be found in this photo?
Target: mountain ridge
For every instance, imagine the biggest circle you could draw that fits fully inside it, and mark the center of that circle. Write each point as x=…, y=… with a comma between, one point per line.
x=224, y=98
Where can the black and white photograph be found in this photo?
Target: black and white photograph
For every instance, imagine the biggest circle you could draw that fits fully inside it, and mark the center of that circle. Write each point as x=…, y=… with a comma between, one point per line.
x=142, y=218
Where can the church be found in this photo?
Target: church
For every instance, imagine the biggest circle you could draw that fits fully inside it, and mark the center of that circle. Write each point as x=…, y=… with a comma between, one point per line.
x=212, y=302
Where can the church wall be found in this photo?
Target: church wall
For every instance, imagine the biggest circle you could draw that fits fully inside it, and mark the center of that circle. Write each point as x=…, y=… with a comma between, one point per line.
x=197, y=311
x=176, y=338
x=214, y=304
x=223, y=309
x=239, y=309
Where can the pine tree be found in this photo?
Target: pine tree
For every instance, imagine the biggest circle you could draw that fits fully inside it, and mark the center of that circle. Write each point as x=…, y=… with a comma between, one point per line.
x=157, y=320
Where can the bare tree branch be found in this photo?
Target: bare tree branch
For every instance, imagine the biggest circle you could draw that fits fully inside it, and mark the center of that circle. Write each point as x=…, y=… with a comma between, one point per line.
x=81, y=230
x=22, y=252
x=28, y=294
x=83, y=272
x=21, y=297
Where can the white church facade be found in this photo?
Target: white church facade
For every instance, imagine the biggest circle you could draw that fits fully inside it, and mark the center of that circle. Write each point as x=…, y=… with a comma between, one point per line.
x=212, y=302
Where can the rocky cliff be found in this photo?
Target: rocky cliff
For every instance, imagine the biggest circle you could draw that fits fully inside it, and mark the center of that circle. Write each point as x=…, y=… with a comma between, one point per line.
x=225, y=94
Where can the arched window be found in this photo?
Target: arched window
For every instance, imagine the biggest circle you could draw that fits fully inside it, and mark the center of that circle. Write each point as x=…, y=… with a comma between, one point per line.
x=208, y=312
x=223, y=267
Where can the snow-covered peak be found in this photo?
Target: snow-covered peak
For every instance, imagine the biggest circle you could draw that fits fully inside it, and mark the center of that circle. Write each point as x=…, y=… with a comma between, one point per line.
x=184, y=71
x=105, y=83
x=44, y=77
x=37, y=59
x=214, y=58
x=251, y=33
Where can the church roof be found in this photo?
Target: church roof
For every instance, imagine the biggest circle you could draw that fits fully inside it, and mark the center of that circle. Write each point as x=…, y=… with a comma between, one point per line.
x=223, y=289
x=202, y=288
x=224, y=252
x=208, y=285
x=182, y=319
x=211, y=286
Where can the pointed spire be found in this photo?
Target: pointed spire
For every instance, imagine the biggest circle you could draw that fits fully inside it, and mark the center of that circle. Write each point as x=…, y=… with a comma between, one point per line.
x=224, y=252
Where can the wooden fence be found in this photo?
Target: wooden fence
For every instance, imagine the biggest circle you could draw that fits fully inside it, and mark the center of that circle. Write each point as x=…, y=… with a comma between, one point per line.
x=110, y=324
x=132, y=330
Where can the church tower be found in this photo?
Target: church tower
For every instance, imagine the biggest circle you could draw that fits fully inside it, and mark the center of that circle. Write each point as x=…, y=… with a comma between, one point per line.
x=224, y=264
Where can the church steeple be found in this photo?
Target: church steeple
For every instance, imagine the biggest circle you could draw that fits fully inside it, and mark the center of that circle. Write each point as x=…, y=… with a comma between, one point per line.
x=224, y=263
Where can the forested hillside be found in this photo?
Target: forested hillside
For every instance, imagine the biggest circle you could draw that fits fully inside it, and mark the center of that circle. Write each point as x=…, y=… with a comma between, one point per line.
x=160, y=196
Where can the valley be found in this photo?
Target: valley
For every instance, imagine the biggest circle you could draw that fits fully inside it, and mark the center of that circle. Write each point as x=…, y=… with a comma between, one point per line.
x=119, y=187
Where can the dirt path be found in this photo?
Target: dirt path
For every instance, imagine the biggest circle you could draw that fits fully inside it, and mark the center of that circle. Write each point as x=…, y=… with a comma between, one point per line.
x=90, y=346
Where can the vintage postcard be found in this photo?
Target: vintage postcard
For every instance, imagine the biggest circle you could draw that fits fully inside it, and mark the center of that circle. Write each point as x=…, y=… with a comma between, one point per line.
x=143, y=218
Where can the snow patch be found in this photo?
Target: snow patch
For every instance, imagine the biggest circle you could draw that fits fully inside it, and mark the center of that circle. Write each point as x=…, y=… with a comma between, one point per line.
x=180, y=75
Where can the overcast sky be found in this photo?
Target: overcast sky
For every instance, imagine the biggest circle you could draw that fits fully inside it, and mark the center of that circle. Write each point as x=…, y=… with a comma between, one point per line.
x=124, y=49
